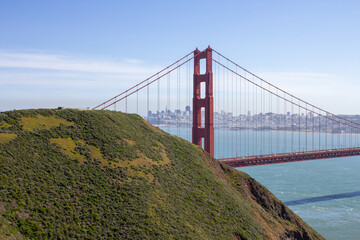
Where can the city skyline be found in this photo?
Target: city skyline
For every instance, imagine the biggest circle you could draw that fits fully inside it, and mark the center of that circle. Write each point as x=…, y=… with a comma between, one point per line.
x=259, y=121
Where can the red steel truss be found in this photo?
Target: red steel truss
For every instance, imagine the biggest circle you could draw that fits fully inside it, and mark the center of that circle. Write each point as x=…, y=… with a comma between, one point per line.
x=290, y=157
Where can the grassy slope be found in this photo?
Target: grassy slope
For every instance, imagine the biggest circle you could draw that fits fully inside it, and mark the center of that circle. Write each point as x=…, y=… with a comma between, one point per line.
x=103, y=174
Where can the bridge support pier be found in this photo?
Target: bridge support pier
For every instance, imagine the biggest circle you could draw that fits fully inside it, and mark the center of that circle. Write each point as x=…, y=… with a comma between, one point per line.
x=203, y=105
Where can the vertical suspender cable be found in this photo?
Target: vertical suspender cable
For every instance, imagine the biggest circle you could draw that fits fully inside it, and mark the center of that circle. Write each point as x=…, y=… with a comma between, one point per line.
x=158, y=102
x=299, y=127
x=338, y=135
x=249, y=117
x=292, y=125
x=137, y=100
x=357, y=137
x=306, y=128
x=350, y=137
x=313, y=128
x=285, y=126
x=148, y=119
x=177, y=102
x=168, y=109
x=240, y=118
x=319, y=132
x=261, y=119
x=126, y=103
x=236, y=113
x=223, y=110
x=253, y=120
x=271, y=123
x=188, y=99
x=245, y=119
x=277, y=121
x=270, y=118
x=326, y=135
x=218, y=103
x=332, y=134
x=227, y=115
x=256, y=114
x=344, y=135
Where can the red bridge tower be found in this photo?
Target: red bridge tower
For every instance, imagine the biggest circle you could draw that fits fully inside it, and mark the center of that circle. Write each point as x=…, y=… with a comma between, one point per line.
x=207, y=104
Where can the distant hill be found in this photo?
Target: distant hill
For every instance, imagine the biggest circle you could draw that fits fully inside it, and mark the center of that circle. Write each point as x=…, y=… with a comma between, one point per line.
x=70, y=174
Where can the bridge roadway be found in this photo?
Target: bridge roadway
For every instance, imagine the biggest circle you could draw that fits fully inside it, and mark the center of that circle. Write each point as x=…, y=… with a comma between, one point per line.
x=289, y=157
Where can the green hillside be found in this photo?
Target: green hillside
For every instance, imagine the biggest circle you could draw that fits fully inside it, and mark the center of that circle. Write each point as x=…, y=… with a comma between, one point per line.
x=69, y=174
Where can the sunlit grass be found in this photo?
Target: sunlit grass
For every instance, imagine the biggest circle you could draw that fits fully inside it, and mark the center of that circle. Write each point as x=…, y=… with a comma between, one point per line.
x=6, y=137
x=68, y=146
x=42, y=122
x=5, y=125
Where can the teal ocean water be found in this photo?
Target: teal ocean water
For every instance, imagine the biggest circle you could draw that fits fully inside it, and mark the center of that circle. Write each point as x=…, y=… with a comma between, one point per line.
x=324, y=193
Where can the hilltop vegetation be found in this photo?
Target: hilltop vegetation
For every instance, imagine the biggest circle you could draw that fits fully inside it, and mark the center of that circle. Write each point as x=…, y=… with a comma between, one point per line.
x=67, y=174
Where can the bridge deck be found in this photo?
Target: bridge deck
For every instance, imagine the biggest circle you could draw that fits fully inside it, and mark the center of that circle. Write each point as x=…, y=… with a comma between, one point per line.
x=289, y=157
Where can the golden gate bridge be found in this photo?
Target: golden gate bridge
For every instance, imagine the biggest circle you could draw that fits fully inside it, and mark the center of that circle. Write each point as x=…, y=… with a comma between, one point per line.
x=296, y=129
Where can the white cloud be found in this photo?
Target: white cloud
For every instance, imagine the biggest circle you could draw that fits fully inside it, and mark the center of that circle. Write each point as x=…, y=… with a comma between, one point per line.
x=71, y=63
x=68, y=79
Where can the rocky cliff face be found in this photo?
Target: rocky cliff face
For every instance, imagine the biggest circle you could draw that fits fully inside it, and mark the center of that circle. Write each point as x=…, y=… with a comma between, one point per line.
x=98, y=174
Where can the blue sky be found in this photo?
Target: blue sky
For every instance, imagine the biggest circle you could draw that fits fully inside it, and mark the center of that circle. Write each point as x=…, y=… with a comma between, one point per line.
x=79, y=53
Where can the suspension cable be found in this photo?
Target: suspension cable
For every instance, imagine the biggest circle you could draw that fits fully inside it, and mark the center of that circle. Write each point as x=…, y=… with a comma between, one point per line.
x=291, y=102
x=296, y=98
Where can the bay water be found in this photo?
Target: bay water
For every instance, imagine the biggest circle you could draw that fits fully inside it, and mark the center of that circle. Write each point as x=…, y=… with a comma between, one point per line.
x=324, y=193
